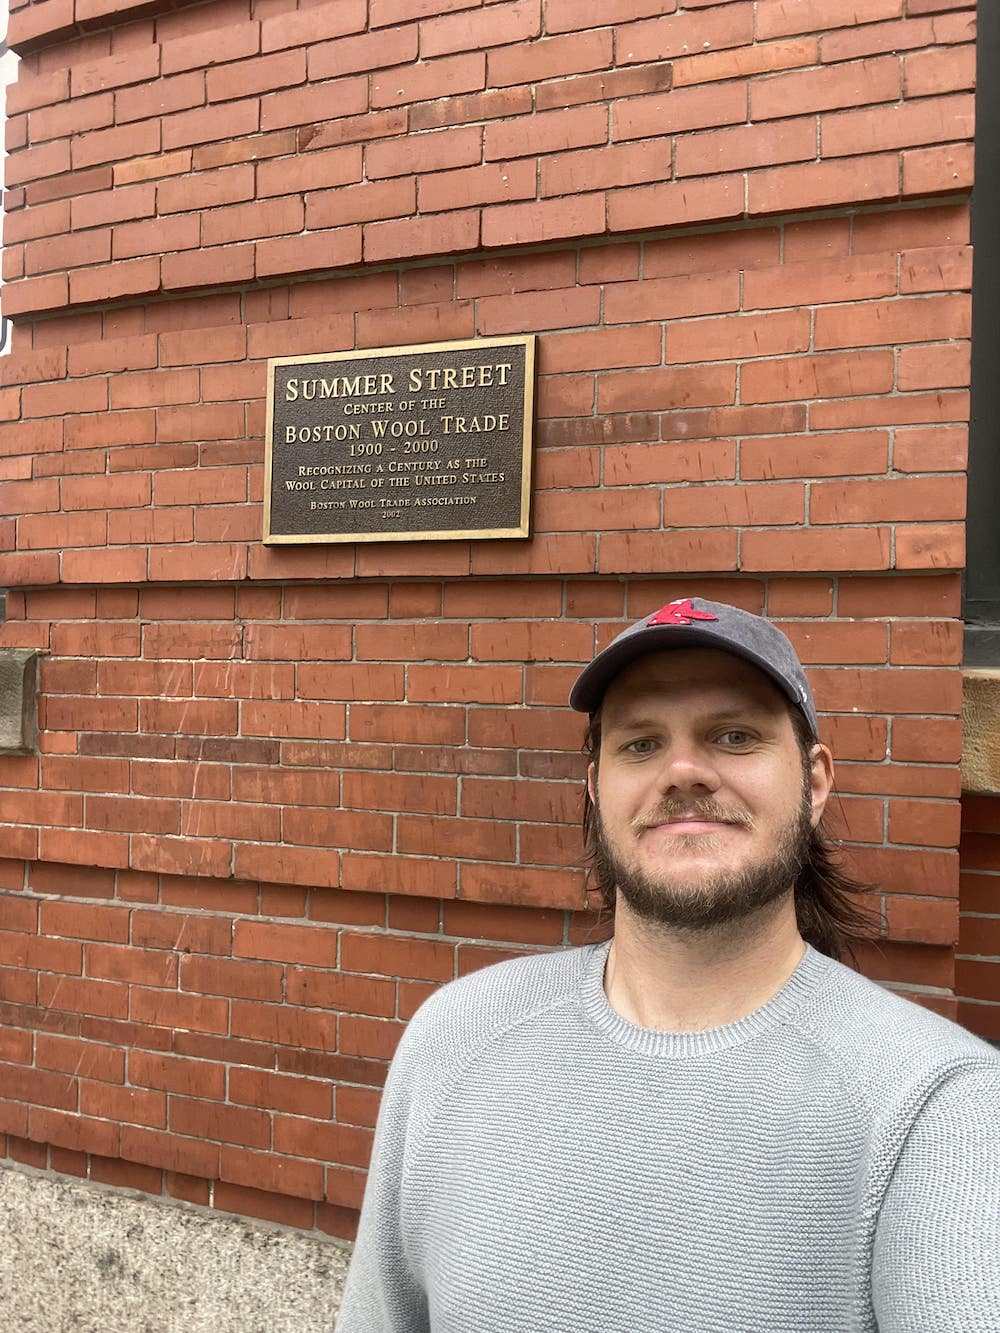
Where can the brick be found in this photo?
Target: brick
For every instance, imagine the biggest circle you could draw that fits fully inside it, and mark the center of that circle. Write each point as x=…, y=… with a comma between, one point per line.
x=570, y=15
x=304, y=106
x=487, y=184
x=92, y=247
x=83, y=113
x=826, y=376
x=856, y=548
x=680, y=202
x=676, y=111
x=245, y=221
x=938, y=450
x=671, y=298
x=924, y=121
x=419, y=236
x=42, y=220
x=939, y=70
x=902, y=321
x=311, y=171
x=776, y=18
x=155, y=388
x=875, y=37
x=160, y=97
x=278, y=1175
x=546, y=132
x=30, y=164
x=847, y=279
x=604, y=168
x=281, y=1092
x=599, y=349
x=317, y=23
x=851, y=84
x=736, y=336
x=135, y=66
x=114, y=144
x=933, y=366
x=361, y=203
x=658, y=389
x=206, y=189
x=550, y=58
x=292, y=719
x=203, y=125
x=936, y=268
x=743, y=61
x=33, y=90
x=233, y=42
x=929, y=170
x=156, y=236
x=370, y=51
x=227, y=1124
x=130, y=278
x=288, y=865
x=751, y=506
x=382, y=954
x=32, y=294
x=148, y=168
x=248, y=77
x=499, y=25
x=815, y=185
x=845, y=454
x=435, y=78
x=903, y=499
x=746, y=146
x=514, y=224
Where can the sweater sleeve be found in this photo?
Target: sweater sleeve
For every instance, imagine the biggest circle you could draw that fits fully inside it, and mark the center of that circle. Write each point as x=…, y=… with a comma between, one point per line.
x=936, y=1261
x=382, y=1294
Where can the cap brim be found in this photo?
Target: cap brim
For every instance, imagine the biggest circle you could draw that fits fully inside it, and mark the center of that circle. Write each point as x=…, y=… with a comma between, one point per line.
x=593, y=681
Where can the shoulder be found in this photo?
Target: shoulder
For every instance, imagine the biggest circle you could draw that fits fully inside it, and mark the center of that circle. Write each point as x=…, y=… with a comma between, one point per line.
x=463, y=1016
x=498, y=995
x=894, y=1052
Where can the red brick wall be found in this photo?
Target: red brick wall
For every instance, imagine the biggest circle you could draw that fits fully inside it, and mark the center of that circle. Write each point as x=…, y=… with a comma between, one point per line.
x=978, y=964
x=282, y=793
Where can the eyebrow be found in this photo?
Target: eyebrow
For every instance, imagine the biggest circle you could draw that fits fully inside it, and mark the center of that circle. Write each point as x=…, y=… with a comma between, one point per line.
x=735, y=713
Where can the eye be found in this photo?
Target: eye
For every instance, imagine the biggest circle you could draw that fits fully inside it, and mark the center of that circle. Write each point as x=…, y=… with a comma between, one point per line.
x=641, y=747
x=736, y=738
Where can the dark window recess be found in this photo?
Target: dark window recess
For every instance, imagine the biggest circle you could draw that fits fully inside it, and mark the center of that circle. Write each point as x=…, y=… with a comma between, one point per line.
x=982, y=576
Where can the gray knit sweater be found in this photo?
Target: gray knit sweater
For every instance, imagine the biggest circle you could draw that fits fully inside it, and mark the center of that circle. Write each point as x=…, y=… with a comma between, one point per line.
x=828, y=1164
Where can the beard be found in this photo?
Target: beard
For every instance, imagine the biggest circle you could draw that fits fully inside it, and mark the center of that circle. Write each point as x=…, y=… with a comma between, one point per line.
x=714, y=900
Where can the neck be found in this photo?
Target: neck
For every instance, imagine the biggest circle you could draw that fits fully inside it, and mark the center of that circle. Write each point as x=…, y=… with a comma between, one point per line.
x=690, y=981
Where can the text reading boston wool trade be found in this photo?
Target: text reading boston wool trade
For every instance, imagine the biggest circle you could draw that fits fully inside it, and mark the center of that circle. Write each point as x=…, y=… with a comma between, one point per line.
x=418, y=379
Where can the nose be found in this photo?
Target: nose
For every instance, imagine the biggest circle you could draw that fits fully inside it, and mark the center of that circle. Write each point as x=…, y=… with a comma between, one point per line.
x=687, y=768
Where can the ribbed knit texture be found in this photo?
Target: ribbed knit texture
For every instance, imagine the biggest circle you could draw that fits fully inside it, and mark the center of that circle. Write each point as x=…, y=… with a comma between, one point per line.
x=828, y=1164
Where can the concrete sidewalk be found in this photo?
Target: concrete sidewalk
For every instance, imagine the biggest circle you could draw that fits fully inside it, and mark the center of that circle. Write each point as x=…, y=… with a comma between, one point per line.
x=76, y=1258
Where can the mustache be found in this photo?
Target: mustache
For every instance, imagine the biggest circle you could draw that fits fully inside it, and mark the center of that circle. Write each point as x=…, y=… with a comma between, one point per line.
x=710, y=811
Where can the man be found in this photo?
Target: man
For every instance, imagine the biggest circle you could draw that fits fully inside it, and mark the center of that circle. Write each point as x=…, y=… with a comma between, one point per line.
x=708, y=1124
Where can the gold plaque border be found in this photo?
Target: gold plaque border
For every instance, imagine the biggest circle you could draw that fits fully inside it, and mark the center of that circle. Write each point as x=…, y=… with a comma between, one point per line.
x=526, y=340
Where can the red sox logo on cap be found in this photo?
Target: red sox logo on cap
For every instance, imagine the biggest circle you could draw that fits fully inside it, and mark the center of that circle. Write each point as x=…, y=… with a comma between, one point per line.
x=680, y=612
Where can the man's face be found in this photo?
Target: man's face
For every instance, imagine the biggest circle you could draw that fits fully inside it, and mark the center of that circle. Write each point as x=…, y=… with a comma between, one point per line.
x=703, y=803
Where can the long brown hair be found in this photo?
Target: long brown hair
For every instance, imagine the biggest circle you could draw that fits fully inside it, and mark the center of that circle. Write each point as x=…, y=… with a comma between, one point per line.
x=828, y=909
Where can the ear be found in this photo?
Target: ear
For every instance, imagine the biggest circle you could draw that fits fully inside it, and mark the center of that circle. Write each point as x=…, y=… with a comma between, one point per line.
x=592, y=782
x=820, y=780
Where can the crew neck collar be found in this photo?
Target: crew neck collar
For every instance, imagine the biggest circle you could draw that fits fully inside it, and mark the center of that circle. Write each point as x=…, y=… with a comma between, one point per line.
x=811, y=968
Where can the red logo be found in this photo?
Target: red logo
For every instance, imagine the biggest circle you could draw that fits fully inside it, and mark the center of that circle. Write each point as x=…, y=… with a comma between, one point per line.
x=680, y=612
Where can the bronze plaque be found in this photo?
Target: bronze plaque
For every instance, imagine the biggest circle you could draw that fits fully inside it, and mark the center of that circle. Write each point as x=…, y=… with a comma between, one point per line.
x=400, y=443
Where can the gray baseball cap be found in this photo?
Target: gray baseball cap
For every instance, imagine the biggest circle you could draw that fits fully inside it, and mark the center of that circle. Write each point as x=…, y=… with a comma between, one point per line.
x=692, y=622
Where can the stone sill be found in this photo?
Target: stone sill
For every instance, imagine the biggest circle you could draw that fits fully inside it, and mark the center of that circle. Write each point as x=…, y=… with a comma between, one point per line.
x=981, y=731
x=18, y=695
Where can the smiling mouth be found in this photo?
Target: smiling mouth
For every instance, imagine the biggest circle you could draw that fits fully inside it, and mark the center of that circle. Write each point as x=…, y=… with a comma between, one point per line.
x=690, y=824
